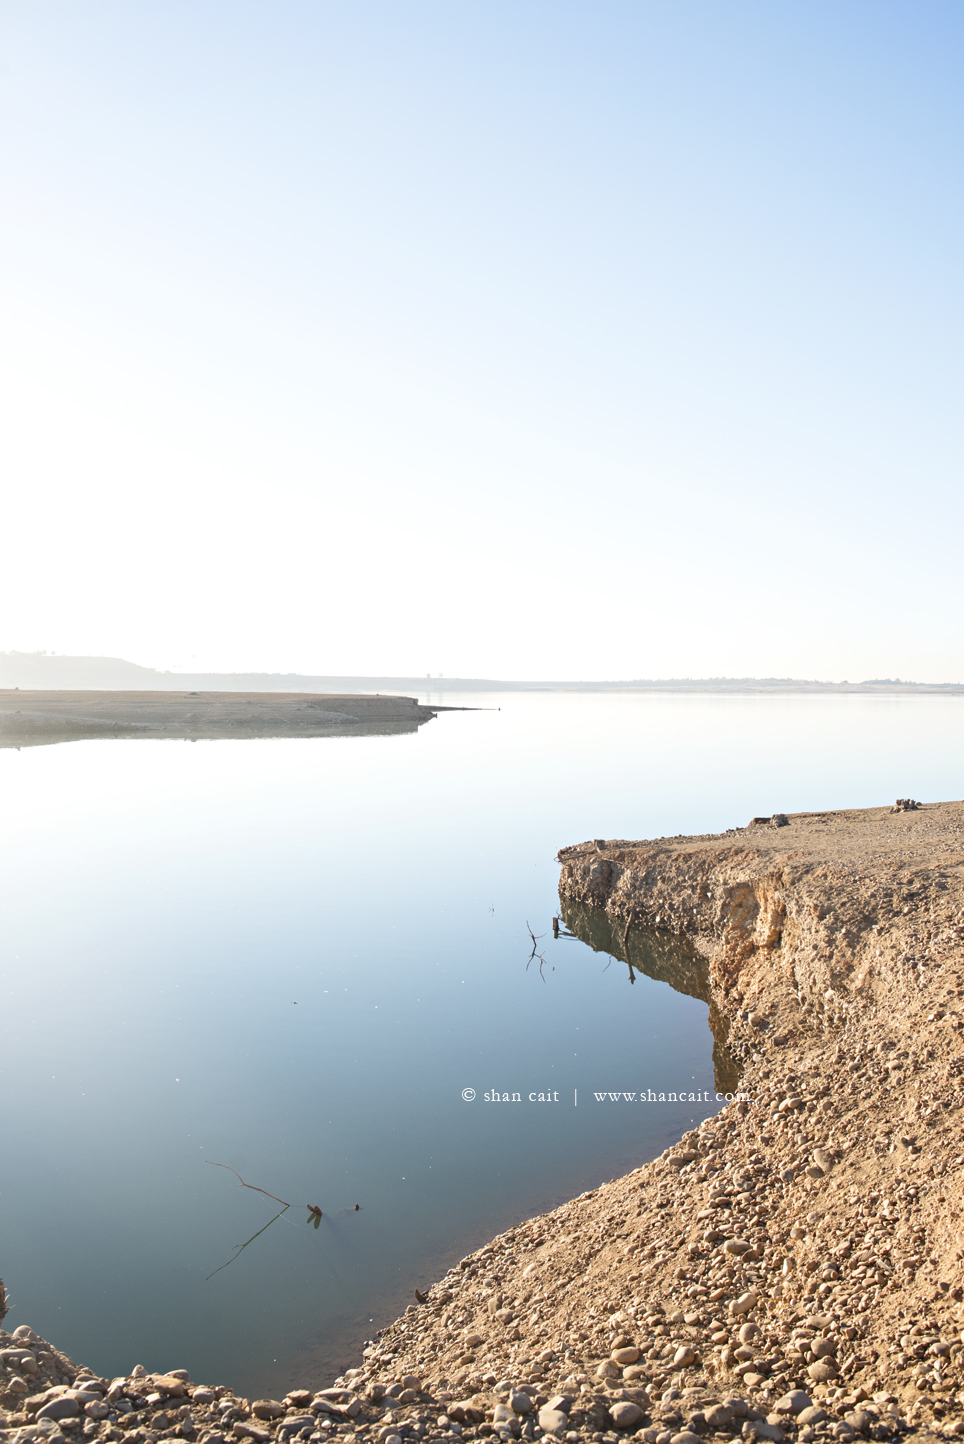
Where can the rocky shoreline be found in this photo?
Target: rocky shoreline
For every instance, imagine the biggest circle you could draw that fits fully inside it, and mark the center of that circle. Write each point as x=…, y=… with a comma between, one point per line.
x=790, y=1271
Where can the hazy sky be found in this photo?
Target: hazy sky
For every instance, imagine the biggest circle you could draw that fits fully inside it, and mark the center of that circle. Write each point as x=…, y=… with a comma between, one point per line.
x=484, y=337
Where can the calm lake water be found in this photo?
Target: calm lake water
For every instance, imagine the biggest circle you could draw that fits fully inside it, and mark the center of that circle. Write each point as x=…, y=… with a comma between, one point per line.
x=292, y=957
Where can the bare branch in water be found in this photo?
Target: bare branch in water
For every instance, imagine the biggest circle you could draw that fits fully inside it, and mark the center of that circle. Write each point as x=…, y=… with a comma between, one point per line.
x=4, y=1308
x=242, y=1246
x=241, y=1184
x=534, y=954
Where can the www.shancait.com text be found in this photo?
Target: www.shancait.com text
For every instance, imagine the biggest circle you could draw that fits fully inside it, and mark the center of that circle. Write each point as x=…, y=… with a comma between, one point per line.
x=495, y=1095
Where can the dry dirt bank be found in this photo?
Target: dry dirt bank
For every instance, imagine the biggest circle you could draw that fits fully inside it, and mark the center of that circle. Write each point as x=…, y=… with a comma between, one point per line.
x=31, y=717
x=792, y=1270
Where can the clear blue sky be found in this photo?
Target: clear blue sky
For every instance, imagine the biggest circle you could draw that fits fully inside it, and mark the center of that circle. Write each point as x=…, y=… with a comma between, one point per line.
x=496, y=338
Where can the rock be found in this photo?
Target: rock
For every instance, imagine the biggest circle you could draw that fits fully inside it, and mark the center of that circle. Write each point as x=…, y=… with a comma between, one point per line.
x=682, y=1157
x=684, y=1356
x=759, y=1021
x=793, y=1403
x=812, y=1415
x=59, y=1408
x=243, y=1430
x=625, y=1356
x=823, y=1159
x=779, y=819
x=171, y=1383
x=472, y=1341
x=736, y=1247
x=267, y=1409
x=822, y=1371
x=98, y=1410
x=408, y=1396
x=625, y=1415
x=719, y=1416
x=412, y=1381
x=560, y=1401
x=685, y=1436
x=823, y=1348
x=746, y=1302
x=772, y=1432
x=203, y=1395
x=520, y=1403
x=294, y=1423
x=553, y=1421
x=607, y=1370
x=748, y=1332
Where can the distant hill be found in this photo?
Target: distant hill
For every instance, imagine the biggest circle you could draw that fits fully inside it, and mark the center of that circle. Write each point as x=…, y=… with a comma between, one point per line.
x=42, y=671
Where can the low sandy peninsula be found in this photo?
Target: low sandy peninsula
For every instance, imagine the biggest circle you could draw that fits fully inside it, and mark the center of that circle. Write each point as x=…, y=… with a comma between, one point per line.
x=31, y=717
x=791, y=1270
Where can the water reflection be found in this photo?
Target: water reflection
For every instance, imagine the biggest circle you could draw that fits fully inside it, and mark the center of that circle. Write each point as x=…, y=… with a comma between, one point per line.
x=659, y=955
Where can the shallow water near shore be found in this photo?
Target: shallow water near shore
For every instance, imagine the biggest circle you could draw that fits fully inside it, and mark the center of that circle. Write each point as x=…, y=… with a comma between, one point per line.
x=296, y=957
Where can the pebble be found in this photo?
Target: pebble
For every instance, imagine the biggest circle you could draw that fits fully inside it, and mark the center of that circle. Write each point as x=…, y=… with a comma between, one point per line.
x=793, y=1403
x=267, y=1409
x=813, y=1414
x=625, y=1415
x=625, y=1356
x=60, y=1408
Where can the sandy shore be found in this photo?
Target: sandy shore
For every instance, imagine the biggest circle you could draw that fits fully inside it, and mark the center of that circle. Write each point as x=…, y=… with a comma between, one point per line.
x=31, y=717
x=791, y=1270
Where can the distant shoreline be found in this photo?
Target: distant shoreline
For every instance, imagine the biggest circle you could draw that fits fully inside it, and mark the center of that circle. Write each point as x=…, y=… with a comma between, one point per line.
x=36, y=670
x=32, y=717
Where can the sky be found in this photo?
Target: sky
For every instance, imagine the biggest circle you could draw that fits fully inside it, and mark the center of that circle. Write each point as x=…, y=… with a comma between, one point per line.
x=509, y=338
